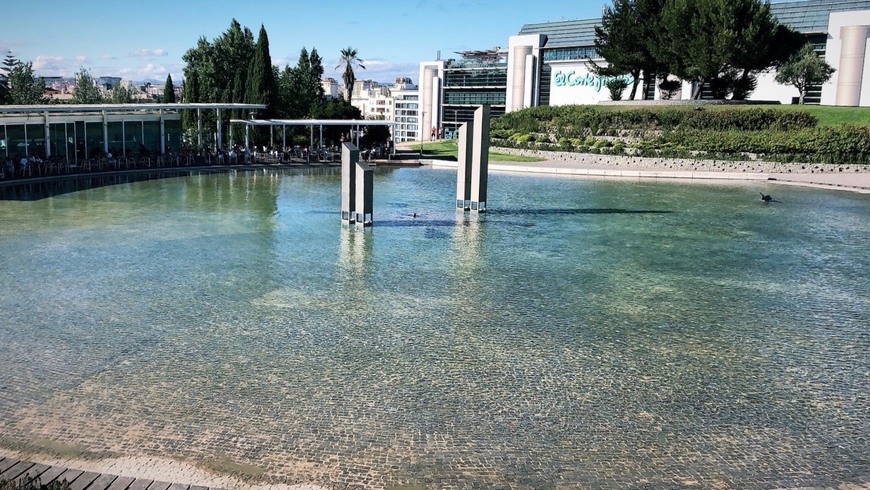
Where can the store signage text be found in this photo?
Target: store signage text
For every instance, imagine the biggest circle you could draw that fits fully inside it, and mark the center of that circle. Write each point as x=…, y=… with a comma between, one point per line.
x=572, y=79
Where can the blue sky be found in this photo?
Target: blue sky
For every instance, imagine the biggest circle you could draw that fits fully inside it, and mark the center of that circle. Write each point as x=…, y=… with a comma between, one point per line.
x=146, y=40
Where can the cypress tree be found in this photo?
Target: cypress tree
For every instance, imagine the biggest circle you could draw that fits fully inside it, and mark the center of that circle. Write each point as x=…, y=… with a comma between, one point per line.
x=169, y=91
x=261, y=87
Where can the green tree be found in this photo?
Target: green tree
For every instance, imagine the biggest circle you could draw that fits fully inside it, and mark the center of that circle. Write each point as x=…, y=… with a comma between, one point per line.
x=628, y=29
x=87, y=91
x=9, y=63
x=718, y=41
x=349, y=60
x=262, y=88
x=803, y=69
x=335, y=109
x=122, y=95
x=24, y=87
x=168, y=90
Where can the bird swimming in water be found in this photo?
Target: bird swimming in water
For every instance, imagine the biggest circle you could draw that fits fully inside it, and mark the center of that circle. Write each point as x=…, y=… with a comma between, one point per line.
x=766, y=198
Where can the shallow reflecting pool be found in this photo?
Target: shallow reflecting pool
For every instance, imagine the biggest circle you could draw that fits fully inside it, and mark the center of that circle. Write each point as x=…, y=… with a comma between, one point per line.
x=582, y=333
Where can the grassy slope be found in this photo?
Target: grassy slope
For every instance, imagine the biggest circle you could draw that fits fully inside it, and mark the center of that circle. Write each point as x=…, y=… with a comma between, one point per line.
x=448, y=150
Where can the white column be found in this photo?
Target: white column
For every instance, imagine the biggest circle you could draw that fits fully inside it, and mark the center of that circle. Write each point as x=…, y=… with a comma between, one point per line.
x=219, y=135
x=162, y=133
x=105, y=133
x=199, y=129
x=47, y=136
x=852, y=59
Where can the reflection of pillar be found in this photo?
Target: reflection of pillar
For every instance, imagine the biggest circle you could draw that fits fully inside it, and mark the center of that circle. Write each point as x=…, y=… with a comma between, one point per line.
x=480, y=158
x=463, y=168
x=47, y=136
x=852, y=59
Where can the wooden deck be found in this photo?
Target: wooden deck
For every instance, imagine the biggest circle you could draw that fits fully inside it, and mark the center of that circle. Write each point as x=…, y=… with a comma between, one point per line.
x=24, y=472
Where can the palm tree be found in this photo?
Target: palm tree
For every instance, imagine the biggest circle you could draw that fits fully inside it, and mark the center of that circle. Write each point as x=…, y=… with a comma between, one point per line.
x=348, y=59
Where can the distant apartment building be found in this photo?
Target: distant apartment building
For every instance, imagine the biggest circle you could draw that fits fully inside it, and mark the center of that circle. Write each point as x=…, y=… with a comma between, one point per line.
x=396, y=103
x=330, y=88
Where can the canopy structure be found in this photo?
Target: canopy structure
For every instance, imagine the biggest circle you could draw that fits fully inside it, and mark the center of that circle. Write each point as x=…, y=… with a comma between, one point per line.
x=354, y=123
x=54, y=128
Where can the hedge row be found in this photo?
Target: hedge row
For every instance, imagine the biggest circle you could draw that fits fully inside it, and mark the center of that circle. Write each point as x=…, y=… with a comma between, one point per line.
x=579, y=121
x=839, y=144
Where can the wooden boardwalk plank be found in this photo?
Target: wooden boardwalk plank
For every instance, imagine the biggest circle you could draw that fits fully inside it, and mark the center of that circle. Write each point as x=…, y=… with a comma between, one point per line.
x=197, y=487
x=33, y=473
x=7, y=463
x=85, y=479
x=103, y=481
x=51, y=474
x=16, y=470
x=139, y=484
x=122, y=483
x=178, y=486
x=159, y=485
x=69, y=475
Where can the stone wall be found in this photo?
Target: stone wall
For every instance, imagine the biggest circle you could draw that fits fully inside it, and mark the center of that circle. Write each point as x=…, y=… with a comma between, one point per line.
x=686, y=164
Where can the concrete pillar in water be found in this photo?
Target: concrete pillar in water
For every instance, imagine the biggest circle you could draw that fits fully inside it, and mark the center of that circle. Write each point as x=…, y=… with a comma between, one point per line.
x=349, y=159
x=357, y=187
x=463, y=168
x=364, y=194
x=480, y=159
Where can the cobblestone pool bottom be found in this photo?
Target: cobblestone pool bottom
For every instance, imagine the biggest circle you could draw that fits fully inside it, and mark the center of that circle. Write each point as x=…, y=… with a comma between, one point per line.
x=582, y=334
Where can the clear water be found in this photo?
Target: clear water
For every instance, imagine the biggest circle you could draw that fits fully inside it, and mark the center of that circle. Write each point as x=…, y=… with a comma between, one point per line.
x=581, y=333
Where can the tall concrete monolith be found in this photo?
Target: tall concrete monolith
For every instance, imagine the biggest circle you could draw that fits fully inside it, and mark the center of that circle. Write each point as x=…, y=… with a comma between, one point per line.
x=473, y=162
x=357, y=187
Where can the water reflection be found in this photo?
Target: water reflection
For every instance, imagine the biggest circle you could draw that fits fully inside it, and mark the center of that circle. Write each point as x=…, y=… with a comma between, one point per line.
x=35, y=191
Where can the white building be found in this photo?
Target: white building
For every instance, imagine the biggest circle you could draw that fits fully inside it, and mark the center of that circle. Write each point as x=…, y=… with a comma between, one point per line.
x=397, y=103
x=549, y=64
x=330, y=88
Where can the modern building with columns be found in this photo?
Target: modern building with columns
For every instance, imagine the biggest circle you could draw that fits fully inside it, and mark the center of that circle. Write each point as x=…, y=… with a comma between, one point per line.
x=548, y=64
x=80, y=131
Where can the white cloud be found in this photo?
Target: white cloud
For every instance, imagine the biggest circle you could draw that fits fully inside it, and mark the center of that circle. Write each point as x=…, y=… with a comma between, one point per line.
x=50, y=65
x=108, y=57
x=148, y=53
x=82, y=59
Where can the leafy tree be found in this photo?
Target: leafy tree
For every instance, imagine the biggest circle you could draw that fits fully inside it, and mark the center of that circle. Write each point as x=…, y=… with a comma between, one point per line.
x=803, y=69
x=24, y=87
x=335, y=109
x=349, y=60
x=669, y=88
x=616, y=87
x=211, y=71
x=87, y=91
x=627, y=31
x=710, y=41
x=122, y=95
x=168, y=90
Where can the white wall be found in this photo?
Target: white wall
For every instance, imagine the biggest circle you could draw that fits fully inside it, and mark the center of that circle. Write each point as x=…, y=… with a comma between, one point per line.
x=574, y=83
x=768, y=89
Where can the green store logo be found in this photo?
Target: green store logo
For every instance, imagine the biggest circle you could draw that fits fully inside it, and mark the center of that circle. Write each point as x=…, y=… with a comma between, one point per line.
x=571, y=79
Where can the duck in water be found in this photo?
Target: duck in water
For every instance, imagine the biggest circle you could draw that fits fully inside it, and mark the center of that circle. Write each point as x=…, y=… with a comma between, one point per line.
x=766, y=198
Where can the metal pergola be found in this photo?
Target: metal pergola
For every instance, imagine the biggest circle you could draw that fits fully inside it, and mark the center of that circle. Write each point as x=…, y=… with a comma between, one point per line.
x=66, y=113
x=353, y=123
